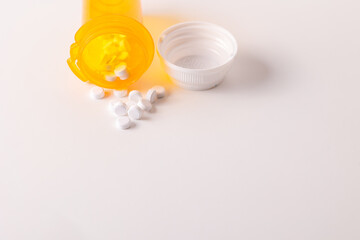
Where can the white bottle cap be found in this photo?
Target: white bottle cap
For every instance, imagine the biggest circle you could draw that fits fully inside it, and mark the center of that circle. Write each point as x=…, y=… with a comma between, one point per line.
x=197, y=55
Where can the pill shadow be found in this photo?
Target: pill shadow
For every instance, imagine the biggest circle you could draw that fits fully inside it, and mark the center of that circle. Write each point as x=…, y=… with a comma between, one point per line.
x=248, y=72
x=133, y=125
x=146, y=117
x=153, y=109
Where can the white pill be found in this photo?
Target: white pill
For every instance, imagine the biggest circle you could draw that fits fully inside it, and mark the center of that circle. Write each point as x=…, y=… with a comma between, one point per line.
x=160, y=90
x=122, y=72
x=135, y=96
x=130, y=104
x=151, y=95
x=97, y=93
x=120, y=93
x=110, y=77
x=145, y=105
x=119, y=108
x=123, y=123
x=135, y=112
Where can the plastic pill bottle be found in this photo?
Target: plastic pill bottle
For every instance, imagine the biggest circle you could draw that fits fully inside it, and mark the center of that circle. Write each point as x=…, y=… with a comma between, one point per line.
x=112, y=36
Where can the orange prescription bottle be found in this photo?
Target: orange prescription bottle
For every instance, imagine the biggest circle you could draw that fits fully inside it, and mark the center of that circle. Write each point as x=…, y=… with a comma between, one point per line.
x=112, y=37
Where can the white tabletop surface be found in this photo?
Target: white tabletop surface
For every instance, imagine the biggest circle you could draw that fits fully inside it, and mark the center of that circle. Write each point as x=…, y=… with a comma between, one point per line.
x=272, y=153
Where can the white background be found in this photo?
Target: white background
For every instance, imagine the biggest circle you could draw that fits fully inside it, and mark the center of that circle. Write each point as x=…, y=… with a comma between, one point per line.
x=273, y=153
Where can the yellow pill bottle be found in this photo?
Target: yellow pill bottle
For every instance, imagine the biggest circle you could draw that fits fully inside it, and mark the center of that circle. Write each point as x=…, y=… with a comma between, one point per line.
x=112, y=37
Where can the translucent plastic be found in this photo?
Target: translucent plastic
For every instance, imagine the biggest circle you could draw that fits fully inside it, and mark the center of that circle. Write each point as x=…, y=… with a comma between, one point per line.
x=197, y=55
x=112, y=36
x=98, y=8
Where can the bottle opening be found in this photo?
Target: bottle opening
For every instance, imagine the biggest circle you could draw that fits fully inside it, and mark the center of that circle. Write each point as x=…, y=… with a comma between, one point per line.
x=109, y=43
x=103, y=55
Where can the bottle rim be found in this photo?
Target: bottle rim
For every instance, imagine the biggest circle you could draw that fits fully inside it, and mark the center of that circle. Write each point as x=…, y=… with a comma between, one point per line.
x=110, y=24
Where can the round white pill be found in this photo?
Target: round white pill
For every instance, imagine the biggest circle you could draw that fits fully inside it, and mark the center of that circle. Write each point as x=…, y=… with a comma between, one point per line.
x=120, y=93
x=151, y=95
x=110, y=77
x=145, y=105
x=123, y=123
x=130, y=103
x=97, y=93
x=160, y=90
x=135, y=112
x=135, y=96
x=122, y=72
x=119, y=108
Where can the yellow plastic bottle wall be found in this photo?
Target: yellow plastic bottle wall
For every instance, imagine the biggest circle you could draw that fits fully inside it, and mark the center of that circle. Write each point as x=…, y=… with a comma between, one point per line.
x=112, y=36
x=97, y=8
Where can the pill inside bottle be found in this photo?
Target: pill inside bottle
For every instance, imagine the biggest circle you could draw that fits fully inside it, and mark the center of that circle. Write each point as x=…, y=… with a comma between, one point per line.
x=106, y=53
x=111, y=38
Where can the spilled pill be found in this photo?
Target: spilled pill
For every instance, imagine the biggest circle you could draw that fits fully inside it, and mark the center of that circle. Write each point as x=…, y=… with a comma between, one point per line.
x=123, y=123
x=130, y=103
x=135, y=96
x=120, y=93
x=97, y=93
x=135, y=112
x=145, y=105
x=160, y=90
x=119, y=108
x=131, y=108
x=151, y=95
